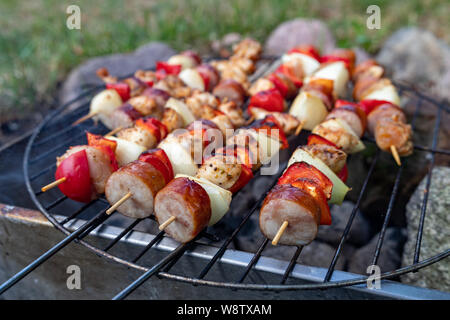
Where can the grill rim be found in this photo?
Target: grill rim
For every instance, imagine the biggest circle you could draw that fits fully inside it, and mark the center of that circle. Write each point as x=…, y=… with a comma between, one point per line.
x=198, y=281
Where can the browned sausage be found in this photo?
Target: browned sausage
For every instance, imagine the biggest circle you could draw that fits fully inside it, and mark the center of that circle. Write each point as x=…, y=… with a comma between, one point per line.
x=189, y=203
x=142, y=180
x=232, y=90
x=299, y=209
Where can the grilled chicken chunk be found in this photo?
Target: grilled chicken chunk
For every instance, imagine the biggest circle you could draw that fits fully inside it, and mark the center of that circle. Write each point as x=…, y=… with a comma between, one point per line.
x=222, y=170
x=196, y=102
x=172, y=119
x=262, y=84
x=333, y=157
x=384, y=111
x=233, y=112
x=390, y=132
x=338, y=135
x=142, y=180
x=350, y=117
x=248, y=48
x=288, y=122
x=139, y=136
x=99, y=165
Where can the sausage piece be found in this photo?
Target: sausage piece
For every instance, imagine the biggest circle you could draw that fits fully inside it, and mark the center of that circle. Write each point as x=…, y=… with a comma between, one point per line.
x=298, y=208
x=189, y=203
x=231, y=90
x=142, y=180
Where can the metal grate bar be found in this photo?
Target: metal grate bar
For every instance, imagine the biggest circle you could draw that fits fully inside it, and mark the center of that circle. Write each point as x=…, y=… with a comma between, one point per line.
x=236, y=231
x=427, y=188
x=157, y=238
x=254, y=260
x=388, y=215
x=56, y=202
x=76, y=213
x=122, y=234
x=56, y=135
x=291, y=265
x=338, y=251
x=42, y=172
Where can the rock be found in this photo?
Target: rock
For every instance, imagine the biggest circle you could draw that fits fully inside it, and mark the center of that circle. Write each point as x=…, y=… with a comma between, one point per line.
x=359, y=233
x=436, y=234
x=361, y=55
x=121, y=64
x=418, y=57
x=297, y=32
x=390, y=256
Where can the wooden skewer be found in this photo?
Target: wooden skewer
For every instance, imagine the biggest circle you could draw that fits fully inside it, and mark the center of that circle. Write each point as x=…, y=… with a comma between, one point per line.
x=280, y=233
x=113, y=131
x=395, y=155
x=53, y=184
x=118, y=203
x=84, y=118
x=299, y=128
x=167, y=222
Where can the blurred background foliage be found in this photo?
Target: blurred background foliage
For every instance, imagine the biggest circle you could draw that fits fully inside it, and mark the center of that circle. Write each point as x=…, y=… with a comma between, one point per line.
x=37, y=50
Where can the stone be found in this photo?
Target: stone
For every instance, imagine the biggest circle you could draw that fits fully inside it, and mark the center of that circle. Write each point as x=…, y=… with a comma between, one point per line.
x=418, y=57
x=436, y=232
x=359, y=233
x=121, y=64
x=299, y=32
x=390, y=255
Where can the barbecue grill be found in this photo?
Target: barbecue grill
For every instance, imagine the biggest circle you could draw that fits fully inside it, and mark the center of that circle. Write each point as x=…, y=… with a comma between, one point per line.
x=76, y=221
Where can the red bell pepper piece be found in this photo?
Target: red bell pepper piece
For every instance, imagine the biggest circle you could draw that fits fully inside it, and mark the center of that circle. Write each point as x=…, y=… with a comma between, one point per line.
x=158, y=158
x=270, y=100
x=205, y=77
x=279, y=84
x=267, y=124
x=105, y=145
x=78, y=185
x=341, y=102
x=317, y=193
x=193, y=55
x=174, y=69
x=369, y=105
x=308, y=50
x=123, y=89
x=289, y=72
x=343, y=174
x=316, y=139
x=331, y=58
x=154, y=126
x=302, y=169
x=244, y=178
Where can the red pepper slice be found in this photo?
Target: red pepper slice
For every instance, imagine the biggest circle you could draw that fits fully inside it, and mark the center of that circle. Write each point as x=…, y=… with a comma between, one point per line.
x=270, y=100
x=308, y=50
x=289, y=72
x=244, y=178
x=205, y=77
x=279, y=84
x=152, y=125
x=340, y=102
x=121, y=88
x=343, y=174
x=302, y=169
x=311, y=187
x=369, y=105
x=332, y=58
x=316, y=139
x=267, y=122
x=193, y=55
x=158, y=158
x=105, y=145
x=78, y=185
x=167, y=68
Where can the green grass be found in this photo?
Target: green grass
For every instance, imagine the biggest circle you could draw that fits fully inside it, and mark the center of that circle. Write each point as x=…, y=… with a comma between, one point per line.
x=37, y=50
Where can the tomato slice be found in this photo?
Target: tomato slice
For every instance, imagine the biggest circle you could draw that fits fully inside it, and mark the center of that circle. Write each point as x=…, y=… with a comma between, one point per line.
x=105, y=145
x=158, y=159
x=279, y=84
x=121, y=88
x=343, y=174
x=306, y=49
x=270, y=100
x=316, y=139
x=244, y=178
x=302, y=169
x=78, y=185
x=369, y=105
x=311, y=187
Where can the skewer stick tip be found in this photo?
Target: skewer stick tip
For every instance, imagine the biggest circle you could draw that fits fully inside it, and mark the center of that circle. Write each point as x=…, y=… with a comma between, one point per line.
x=84, y=118
x=112, y=132
x=167, y=222
x=53, y=184
x=395, y=155
x=118, y=203
x=280, y=233
x=299, y=128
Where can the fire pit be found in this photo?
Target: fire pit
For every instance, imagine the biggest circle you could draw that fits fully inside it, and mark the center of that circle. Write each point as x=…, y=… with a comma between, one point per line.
x=210, y=259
